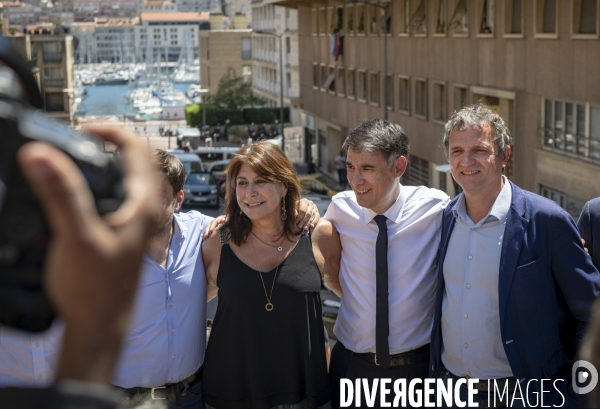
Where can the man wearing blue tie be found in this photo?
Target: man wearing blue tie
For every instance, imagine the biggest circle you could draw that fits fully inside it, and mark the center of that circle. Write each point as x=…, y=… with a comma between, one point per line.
x=390, y=235
x=515, y=286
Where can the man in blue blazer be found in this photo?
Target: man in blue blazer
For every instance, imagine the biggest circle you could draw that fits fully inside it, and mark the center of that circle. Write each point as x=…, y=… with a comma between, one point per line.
x=515, y=286
x=589, y=228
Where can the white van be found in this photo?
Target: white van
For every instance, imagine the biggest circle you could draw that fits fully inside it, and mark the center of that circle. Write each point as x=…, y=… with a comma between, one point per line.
x=191, y=161
x=211, y=154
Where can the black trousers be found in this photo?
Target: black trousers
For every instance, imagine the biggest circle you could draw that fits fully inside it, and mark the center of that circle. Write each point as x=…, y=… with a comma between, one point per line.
x=347, y=365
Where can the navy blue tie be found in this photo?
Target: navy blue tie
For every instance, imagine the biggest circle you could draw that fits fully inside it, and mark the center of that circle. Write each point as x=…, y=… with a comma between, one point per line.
x=382, y=329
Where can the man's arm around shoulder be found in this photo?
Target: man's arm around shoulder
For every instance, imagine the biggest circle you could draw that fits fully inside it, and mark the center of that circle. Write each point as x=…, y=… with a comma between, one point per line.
x=328, y=251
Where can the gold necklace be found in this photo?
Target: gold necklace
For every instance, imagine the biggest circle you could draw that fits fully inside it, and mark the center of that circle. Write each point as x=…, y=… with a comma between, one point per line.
x=279, y=247
x=269, y=304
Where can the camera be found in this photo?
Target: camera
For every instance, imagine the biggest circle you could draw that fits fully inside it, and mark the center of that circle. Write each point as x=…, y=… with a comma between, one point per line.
x=24, y=232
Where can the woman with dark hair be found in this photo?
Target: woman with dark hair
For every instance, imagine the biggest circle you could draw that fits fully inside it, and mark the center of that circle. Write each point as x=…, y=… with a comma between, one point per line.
x=267, y=344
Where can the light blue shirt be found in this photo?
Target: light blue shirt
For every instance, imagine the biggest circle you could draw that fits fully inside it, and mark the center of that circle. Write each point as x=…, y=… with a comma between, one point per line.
x=472, y=343
x=167, y=330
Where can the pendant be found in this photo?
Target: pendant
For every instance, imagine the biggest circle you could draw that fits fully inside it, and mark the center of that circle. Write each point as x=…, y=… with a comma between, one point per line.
x=279, y=248
x=269, y=306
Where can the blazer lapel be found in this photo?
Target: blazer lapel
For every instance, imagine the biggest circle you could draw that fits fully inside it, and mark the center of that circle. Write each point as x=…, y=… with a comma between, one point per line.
x=514, y=232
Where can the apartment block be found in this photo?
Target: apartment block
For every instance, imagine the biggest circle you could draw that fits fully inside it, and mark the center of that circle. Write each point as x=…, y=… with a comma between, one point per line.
x=221, y=49
x=53, y=55
x=274, y=28
x=159, y=36
x=535, y=62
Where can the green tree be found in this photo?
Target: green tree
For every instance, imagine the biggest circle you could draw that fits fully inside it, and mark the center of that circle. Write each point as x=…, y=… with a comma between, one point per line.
x=234, y=93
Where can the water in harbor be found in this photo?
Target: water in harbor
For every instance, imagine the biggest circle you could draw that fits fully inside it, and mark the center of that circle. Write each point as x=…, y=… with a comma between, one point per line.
x=107, y=100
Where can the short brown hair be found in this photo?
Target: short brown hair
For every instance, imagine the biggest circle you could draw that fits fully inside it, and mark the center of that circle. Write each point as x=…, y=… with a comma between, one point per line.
x=171, y=167
x=270, y=163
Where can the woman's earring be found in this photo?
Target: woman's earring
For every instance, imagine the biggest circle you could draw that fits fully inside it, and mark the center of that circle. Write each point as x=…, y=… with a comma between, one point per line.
x=283, y=213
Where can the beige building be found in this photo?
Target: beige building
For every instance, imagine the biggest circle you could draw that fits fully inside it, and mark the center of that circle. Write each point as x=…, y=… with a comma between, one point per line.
x=276, y=27
x=221, y=49
x=536, y=62
x=52, y=54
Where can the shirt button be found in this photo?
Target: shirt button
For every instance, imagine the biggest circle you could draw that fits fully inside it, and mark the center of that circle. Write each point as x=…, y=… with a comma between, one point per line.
x=40, y=376
x=466, y=345
x=465, y=316
x=173, y=356
x=37, y=344
x=468, y=373
x=470, y=257
x=468, y=286
x=170, y=305
x=173, y=330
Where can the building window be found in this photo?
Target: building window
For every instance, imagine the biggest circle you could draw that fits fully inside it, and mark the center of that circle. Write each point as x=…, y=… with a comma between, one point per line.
x=546, y=18
x=459, y=22
x=513, y=17
x=460, y=97
x=565, y=127
x=417, y=172
x=338, y=24
x=316, y=79
x=572, y=205
x=389, y=21
x=362, y=86
x=350, y=20
x=374, y=19
x=389, y=88
x=324, y=77
x=52, y=52
x=330, y=84
x=341, y=81
x=486, y=16
x=55, y=102
x=374, y=87
x=315, y=21
x=440, y=17
x=360, y=19
x=418, y=19
x=403, y=17
x=421, y=98
x=322, y=21
x=439, y=102
x=404, y=94
x=350, y=84
x=246, y=48
x=247, y=74
x=585, y=18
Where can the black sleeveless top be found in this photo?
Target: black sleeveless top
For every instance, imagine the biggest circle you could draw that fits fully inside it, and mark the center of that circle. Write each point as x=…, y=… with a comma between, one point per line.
x=257, y=358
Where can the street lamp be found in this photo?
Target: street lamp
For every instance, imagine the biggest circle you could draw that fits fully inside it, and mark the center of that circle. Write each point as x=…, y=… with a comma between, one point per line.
x=385, y=71
x=280, y=80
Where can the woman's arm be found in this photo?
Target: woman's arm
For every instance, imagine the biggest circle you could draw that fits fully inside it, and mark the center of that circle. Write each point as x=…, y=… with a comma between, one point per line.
x=211, y=254
x=328, y=251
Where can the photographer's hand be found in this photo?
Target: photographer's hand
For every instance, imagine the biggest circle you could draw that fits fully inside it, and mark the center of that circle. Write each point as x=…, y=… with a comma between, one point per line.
x=93, y=262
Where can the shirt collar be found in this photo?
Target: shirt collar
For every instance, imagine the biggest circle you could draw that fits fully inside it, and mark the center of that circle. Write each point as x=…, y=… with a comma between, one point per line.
x=180, y=230
x=499, y=210
x=394, y=213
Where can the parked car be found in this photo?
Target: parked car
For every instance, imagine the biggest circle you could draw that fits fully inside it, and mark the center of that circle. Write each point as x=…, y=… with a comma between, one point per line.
x=317, y=184
x=201, y=188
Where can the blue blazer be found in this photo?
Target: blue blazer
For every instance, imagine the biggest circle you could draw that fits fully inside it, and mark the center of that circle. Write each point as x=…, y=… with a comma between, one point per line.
x=546, y=287
x=589, y=228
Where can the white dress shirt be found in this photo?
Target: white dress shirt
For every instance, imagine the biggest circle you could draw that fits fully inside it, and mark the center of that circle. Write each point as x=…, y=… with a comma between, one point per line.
x=414, y=226
x=167, y=330
x=472, y=342
x=29, y=359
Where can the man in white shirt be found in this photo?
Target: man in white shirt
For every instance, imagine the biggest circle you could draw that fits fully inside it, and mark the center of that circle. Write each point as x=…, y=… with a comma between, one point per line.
x=390, y=235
